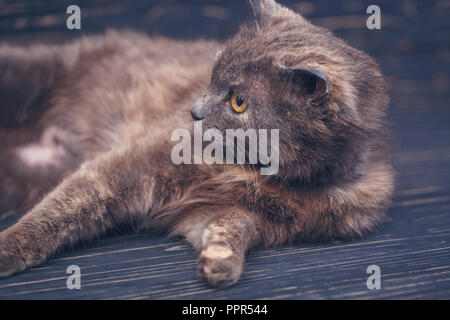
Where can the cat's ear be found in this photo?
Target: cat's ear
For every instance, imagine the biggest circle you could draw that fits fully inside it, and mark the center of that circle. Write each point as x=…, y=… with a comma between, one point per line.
x=263, y=10
x=311, y=82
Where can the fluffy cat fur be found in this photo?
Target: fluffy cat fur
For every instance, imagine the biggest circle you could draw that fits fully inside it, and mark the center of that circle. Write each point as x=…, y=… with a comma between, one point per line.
x=85, y=133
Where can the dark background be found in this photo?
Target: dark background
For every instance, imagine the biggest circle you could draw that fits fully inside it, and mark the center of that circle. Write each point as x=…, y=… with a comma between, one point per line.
x=412, y=248
x=413, y=45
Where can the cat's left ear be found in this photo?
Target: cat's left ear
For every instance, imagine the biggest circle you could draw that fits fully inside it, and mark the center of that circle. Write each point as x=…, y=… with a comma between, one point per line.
x=264, y=10
x=311, y=82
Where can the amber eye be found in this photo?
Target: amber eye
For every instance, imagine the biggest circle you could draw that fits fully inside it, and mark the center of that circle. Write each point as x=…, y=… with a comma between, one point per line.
x=238, y=103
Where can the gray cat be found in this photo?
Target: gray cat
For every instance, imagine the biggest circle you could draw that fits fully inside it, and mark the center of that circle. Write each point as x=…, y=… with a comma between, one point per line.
x=85, y=132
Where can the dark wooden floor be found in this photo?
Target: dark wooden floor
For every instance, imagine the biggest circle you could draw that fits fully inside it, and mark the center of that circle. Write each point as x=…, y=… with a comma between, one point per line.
x=412, y=249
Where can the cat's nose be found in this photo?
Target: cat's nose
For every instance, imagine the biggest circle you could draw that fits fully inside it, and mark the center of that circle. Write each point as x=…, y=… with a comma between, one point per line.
x=196, y=110
x=195, y=114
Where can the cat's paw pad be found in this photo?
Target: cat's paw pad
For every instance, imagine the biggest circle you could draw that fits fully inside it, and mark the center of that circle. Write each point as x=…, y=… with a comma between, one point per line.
x=220, y=265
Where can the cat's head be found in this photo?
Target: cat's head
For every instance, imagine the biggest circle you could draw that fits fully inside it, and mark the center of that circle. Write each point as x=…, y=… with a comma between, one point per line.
x=281, y=72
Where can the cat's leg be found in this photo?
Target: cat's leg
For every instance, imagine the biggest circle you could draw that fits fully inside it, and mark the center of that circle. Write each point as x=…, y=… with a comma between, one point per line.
x=223, y=244
x=74, y=211
x=103, y=194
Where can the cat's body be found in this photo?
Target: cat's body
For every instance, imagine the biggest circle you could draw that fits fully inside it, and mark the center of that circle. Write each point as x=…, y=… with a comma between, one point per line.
x=106, y=91
x=94, y=118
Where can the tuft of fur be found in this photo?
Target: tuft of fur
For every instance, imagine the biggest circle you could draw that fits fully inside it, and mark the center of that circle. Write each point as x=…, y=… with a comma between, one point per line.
x=87, y=150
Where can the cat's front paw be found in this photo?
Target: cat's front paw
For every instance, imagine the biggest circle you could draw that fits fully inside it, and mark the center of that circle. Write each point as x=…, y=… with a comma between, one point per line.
x=10, y=259
x=10, y=264
x=219, y=265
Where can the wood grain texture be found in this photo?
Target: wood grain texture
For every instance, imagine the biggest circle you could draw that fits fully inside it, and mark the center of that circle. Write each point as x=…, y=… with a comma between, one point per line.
x=412, y=248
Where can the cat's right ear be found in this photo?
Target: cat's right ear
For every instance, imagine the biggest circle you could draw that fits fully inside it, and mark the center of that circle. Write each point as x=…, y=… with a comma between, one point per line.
x=263, y=10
